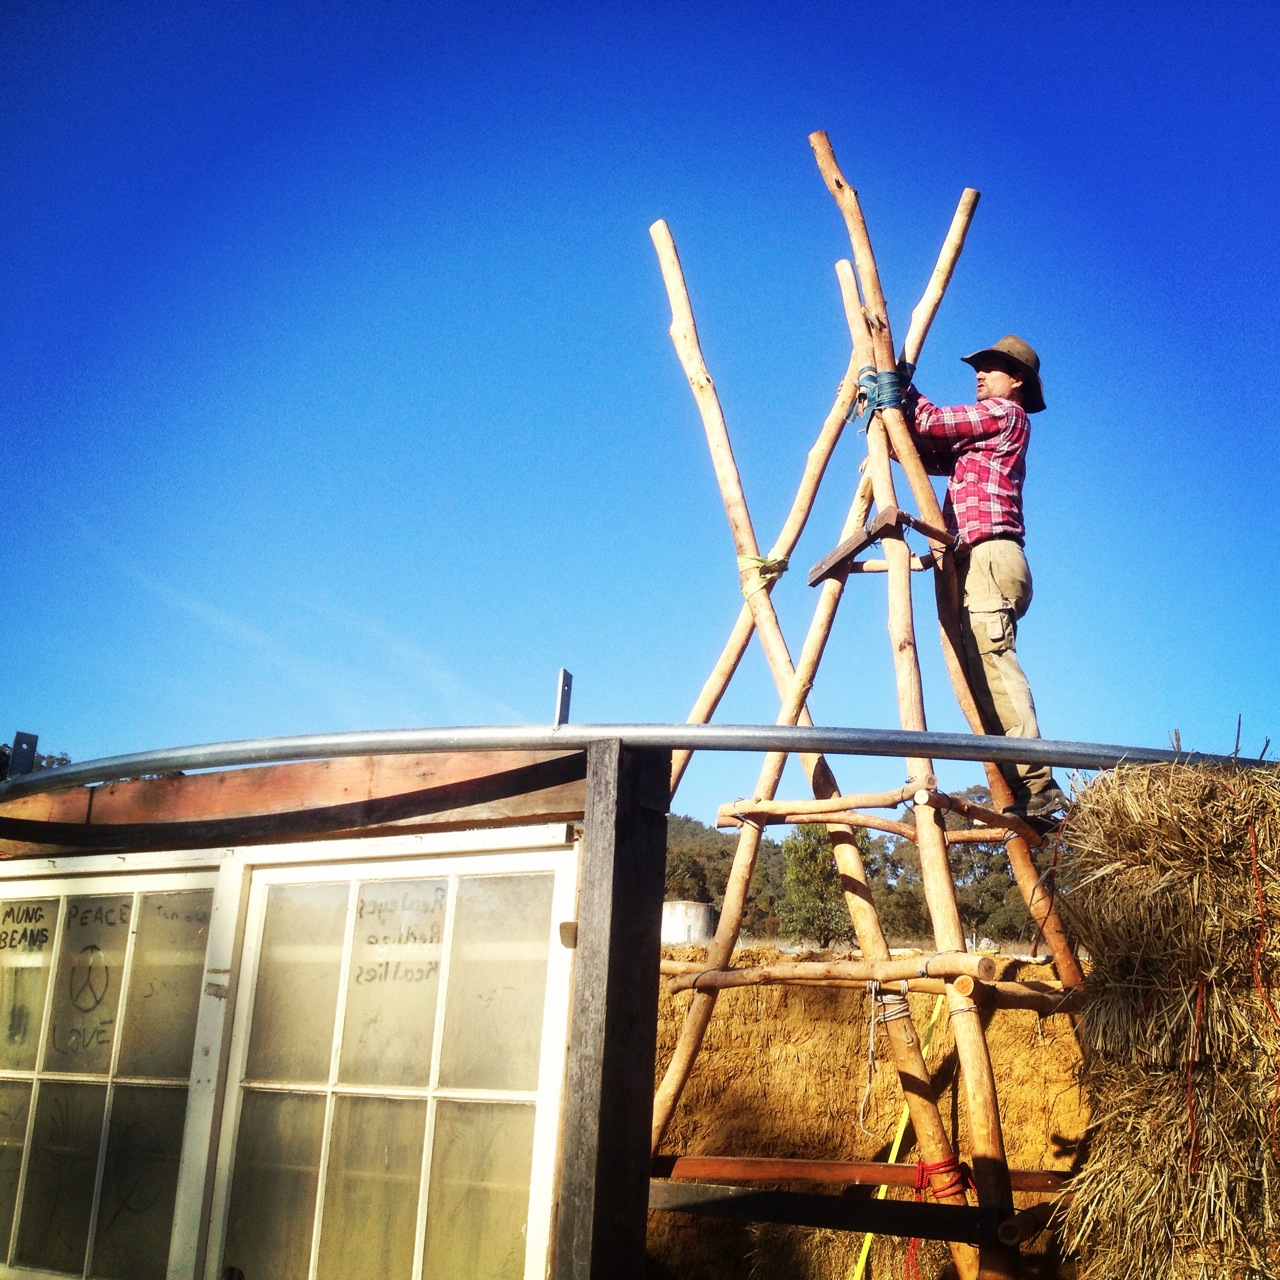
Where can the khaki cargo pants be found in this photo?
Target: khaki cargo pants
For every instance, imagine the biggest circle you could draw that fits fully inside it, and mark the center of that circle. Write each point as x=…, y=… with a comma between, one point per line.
x=995, y=589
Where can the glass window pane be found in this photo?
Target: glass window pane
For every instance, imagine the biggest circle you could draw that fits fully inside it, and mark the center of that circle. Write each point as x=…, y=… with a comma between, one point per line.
x=159, y=1029
x=86, y=991
x=297, y=989
x=15, y=1098
x=273, y=1189
x=139, y=1183
x=371, y=1189
x=58, y=1198
x=394, y=983
x=497, y=981
x=478, y=1201
x=26, y=950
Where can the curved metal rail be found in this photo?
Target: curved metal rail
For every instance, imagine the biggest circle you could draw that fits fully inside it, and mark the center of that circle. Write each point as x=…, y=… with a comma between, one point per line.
x=576, y=737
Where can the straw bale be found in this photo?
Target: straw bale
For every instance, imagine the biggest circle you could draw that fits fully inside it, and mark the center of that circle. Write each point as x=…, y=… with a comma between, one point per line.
x=1160, y=888
x=1172, y=883
x=1139, y=1209
x=783, y=1072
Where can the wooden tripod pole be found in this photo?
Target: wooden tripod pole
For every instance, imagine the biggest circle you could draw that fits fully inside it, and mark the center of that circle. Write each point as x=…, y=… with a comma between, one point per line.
x=684, y=335
x=793, y=685
x=815, y=468
x=816, y=463
x=792, y=689
x=904, y=1044
x=927, y=307
x=990, y=1167
x=1039, y=902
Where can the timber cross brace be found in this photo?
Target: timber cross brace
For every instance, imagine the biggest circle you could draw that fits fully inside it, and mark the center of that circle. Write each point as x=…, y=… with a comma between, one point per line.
x=988, y=1253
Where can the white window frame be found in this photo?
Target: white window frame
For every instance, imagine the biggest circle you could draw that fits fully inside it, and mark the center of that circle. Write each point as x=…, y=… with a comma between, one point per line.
x=61, y=884
x=214, y=1092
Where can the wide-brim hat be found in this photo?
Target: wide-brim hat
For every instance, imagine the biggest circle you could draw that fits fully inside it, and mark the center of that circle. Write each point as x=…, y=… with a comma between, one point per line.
x=1023, y=355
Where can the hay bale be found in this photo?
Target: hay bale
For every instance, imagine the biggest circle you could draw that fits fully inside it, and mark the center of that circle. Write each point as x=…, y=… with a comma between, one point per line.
x=1172, y=882
x=1160, y=889
x=783, y=1072
x=1139, y=1209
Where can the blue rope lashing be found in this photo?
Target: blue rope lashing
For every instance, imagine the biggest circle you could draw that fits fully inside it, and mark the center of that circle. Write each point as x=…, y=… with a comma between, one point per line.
x=888, y=390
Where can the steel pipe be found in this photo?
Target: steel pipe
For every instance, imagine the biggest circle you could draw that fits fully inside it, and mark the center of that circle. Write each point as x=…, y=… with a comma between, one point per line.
x=576, y=737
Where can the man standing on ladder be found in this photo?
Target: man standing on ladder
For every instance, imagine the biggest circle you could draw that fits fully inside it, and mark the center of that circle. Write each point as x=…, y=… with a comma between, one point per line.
x=982, y=449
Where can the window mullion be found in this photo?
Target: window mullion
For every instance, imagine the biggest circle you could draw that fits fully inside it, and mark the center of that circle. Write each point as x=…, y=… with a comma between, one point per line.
x=335, y=1054
x=122, y=1012
x=442, y=1002
x=551, y=1059
x=28, y=1141
x=204, y=1087
x=433, y=1078
x=229, y=1125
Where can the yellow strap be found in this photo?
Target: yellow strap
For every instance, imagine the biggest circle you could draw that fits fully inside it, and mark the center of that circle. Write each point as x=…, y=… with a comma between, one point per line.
x=757, y=572
x=903, y=1121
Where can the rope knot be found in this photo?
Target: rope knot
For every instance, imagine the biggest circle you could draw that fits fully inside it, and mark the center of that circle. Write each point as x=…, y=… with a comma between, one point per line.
x=758, y=572
x=960, y=1178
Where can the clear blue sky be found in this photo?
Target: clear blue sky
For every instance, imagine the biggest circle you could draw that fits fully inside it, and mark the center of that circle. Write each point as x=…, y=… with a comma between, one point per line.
x=337, y=393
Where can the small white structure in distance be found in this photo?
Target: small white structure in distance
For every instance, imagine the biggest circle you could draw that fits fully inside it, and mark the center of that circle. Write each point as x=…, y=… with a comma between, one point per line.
x=686, y=922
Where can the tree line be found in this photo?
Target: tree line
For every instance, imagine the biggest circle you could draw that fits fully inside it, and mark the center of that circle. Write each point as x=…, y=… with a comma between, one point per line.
x=796, y=893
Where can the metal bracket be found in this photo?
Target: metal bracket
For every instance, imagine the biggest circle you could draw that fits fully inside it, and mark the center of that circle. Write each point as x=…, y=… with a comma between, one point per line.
x=833, y=1212
x=22, y=755
x=564, y=691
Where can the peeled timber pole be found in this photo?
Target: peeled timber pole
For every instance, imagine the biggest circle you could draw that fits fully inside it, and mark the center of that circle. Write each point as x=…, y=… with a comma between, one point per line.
x=922, y=318
x=946, y=964
x=990, y=1166
x=1039, y=901
x=792, y=686
x=684, y=335
x=815, y=468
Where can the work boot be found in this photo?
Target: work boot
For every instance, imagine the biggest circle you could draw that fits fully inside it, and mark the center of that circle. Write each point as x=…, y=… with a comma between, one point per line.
x=1044, y=804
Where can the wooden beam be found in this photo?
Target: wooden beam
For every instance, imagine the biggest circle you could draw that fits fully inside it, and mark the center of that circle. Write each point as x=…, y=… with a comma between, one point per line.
x=866, y=1173
x=890, y=518
x=832, y=1212
x=331, y=798
x=950, y=964
x=1044, y=998
x=604, y=1168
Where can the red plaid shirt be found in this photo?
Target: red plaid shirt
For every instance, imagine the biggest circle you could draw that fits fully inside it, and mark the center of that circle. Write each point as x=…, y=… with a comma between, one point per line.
x=983, y=449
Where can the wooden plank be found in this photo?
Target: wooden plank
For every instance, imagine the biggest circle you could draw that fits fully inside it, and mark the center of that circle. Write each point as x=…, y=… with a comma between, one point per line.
x=889, y=518
x=603, y=1186
x=833, y=1212
x=872, y=1173
x=368, y=794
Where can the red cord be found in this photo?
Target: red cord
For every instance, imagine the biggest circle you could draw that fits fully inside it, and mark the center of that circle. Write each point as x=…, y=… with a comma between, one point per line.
x=955, y=1185
x=911, y=1267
